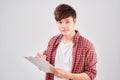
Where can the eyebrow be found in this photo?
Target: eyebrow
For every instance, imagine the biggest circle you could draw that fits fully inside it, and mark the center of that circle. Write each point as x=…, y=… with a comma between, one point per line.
x=67, y=19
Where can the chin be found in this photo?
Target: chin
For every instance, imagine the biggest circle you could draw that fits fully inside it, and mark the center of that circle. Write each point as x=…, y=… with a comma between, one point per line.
x=65, y=33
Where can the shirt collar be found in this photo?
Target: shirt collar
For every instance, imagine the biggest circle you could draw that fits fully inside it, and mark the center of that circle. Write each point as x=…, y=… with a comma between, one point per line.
x=76, y=36
x=75, y=39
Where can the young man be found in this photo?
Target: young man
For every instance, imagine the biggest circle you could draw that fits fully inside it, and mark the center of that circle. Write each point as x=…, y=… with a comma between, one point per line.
x=72, y=55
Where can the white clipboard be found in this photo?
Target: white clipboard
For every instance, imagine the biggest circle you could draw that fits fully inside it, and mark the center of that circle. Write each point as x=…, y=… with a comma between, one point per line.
x=40, y=63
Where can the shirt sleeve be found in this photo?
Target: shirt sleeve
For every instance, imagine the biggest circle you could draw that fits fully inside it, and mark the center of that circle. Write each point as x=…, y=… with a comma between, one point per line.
x=90, y=63
x=48, y=47
x=47, y=52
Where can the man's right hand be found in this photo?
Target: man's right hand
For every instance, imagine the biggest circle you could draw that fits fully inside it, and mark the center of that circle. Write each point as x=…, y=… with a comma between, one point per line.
x=40, y=55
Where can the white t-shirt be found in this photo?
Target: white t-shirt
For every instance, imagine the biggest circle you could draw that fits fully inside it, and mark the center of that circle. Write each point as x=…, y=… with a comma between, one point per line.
x=63, y=57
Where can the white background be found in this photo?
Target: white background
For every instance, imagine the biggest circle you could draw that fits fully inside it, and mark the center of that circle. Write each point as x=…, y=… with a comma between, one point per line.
x=27, y=25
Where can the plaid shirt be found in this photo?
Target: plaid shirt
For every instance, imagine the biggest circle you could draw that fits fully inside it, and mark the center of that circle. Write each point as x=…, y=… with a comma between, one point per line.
x=83, y=56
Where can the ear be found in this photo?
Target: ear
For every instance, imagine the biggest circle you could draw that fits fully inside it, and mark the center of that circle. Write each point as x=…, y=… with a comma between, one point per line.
x=74, y=20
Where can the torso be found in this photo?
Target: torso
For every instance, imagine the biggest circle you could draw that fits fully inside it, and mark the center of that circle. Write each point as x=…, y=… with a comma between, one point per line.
x=63, y=58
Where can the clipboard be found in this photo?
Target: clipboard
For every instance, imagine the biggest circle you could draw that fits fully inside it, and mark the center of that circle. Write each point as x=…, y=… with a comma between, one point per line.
x=40, y=63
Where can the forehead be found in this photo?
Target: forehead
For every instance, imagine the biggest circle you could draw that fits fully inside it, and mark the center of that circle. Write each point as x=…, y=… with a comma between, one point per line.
x=69, y=18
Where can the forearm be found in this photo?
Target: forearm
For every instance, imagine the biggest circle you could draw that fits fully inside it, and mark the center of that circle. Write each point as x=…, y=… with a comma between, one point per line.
x=80, y=76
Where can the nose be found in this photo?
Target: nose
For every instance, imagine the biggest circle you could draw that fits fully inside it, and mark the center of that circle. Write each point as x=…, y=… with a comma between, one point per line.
x=63, y=25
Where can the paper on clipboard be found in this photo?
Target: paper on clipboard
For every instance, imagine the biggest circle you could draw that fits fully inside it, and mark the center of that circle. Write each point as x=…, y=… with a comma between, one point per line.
x=41, y=63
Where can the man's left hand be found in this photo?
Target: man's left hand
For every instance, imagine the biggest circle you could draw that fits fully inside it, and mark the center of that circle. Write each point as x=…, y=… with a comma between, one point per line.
x=58, y=72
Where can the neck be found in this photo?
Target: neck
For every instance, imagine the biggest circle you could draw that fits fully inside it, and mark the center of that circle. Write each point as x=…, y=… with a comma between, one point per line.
x=68, y=38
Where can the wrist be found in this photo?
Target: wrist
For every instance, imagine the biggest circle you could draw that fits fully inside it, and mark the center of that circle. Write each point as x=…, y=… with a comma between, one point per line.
x=68, y=74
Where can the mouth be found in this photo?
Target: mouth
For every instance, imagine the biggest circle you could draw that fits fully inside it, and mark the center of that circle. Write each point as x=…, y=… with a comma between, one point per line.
x=63, y=30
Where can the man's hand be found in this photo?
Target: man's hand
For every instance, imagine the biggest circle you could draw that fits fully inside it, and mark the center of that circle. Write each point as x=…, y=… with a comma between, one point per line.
x=59, y=72
x=39, y=55
x=66, y=75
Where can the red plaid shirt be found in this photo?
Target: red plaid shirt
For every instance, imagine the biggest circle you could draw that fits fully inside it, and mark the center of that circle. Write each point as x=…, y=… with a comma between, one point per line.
x=83, y=56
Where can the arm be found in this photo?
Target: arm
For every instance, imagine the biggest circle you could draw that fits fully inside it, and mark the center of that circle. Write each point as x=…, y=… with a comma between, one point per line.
x=66, y=75
x=90, y=63
x=80, y=76
x=89, y=69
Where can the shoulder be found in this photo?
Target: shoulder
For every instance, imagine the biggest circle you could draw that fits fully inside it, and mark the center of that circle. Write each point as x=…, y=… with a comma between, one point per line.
x=85, y=42
x=55, y=37
x=81, y=41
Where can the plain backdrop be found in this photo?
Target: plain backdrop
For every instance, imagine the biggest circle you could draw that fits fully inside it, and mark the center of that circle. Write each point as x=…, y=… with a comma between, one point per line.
x=27, y=25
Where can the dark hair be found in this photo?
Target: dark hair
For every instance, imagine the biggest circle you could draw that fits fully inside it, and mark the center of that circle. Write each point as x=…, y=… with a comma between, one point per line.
x=64, y=11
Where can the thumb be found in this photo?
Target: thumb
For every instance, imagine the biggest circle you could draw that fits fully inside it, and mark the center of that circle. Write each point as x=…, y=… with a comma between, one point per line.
x=44, y=56
x=52, y=69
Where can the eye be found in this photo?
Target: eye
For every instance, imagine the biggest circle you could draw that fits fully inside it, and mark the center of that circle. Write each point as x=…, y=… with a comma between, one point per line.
x=60, y=22
x=67, y=21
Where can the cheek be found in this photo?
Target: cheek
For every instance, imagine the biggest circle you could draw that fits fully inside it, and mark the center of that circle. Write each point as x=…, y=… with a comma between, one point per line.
x=72, y=26
x=59, y=27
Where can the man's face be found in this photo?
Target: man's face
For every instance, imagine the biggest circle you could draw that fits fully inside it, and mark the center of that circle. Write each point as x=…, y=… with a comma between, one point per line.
x=66, y=26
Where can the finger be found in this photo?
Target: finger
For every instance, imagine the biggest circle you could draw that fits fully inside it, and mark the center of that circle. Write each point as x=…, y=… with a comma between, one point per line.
x=44, y=56
x=41, y=55
x=38, y=55
x=52, y=69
